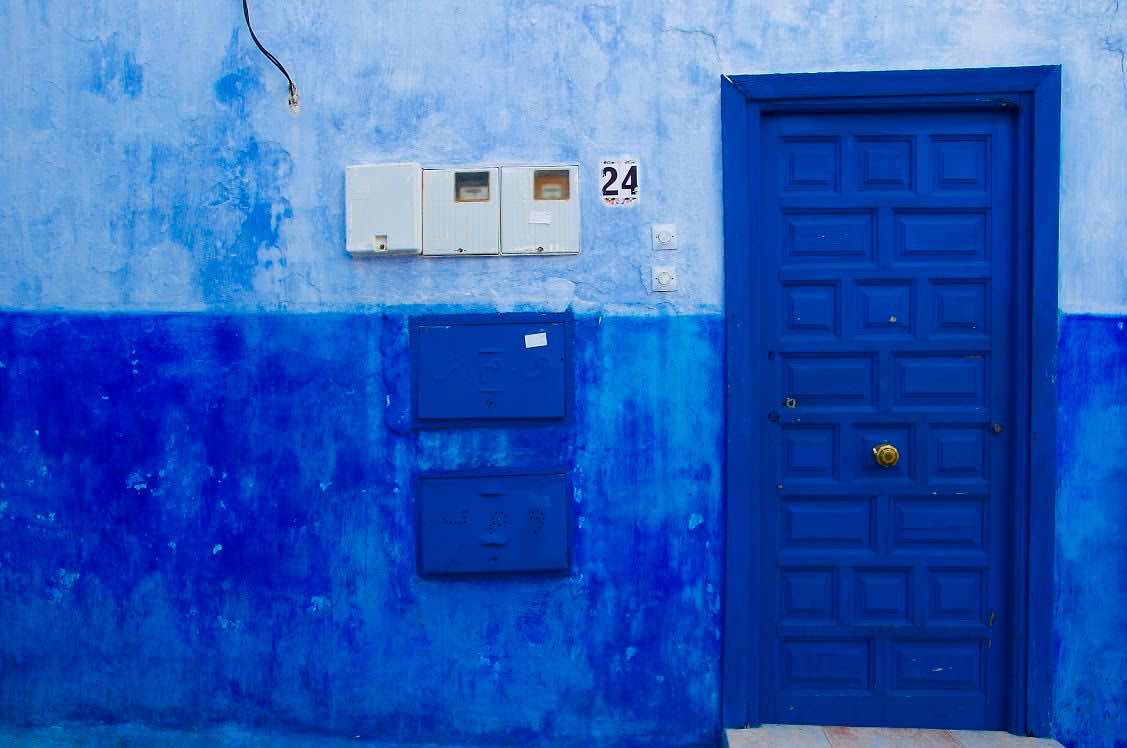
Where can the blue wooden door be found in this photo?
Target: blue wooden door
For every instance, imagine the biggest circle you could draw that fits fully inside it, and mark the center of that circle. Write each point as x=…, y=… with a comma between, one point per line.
x=887, y=269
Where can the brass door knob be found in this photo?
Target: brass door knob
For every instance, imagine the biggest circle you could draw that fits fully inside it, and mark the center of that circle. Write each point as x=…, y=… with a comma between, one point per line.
x=886, y=455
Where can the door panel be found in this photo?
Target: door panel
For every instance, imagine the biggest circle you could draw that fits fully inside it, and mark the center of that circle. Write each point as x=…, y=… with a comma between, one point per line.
x=887, y=264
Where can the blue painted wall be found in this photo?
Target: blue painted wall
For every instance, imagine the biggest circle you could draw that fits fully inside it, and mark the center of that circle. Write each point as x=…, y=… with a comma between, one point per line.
x=1091, y=595
x=153, y=176
x=150, y=161
x=210, y=518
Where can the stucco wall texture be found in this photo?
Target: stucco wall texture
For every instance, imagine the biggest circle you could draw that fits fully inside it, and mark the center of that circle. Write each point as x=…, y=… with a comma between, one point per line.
x=182, y=542
x=150, y=161
x=150, y=166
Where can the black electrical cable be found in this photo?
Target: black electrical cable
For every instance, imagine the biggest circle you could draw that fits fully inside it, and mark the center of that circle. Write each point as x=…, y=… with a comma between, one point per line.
x=295, y=103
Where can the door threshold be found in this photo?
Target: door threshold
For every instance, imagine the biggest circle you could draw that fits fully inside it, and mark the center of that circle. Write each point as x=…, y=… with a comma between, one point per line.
x=816, y=736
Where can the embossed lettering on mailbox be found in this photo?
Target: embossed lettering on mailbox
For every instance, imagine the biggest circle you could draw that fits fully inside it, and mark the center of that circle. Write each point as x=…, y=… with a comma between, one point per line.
x=490, y=368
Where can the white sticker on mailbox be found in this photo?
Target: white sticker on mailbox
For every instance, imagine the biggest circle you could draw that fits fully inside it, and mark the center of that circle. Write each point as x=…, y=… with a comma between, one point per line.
x=619, y=182
x=536, y=340
x=540, y=216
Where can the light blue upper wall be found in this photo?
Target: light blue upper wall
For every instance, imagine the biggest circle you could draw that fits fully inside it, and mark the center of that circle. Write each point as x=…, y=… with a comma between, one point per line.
x=150, y=161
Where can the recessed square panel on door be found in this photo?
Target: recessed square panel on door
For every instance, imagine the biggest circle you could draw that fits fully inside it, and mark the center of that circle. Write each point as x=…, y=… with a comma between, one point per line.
x=939, y=665
x=885, y=162
x=960, y=164
x=827, y=665
x=810, y=452
x=882, y=597
x=834, y=236
x=957, y=452
x=812, y=309
x=471, y=369
x=884, y=307
x=830, y=380
x=810, y=163
x=938, y=522
x=942, y=235
x=957, y=595
x=821, y=522
x=959, y=307
x=941, y=378
x=808, y=595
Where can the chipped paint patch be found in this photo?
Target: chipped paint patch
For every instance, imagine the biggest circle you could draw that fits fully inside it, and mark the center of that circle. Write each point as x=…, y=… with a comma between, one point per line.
x=136, y=481
x=63, y=583
x=114, y=72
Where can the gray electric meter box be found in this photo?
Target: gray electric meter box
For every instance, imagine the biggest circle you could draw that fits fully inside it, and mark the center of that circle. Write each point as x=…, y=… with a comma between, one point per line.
x=540, y=210
x=462, y=211
x=384, y=209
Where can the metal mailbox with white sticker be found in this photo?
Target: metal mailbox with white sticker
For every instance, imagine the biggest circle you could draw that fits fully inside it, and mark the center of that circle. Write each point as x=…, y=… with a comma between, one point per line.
x=491, y=369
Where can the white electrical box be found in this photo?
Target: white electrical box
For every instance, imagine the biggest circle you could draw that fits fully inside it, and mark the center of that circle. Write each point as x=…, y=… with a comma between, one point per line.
x=664, y=278
x=664, y=236
x=383, y=207
x=462, y=211
x=540, y=210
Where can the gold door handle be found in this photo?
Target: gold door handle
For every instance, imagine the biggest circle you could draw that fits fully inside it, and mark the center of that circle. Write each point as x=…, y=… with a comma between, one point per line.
x=886, y=455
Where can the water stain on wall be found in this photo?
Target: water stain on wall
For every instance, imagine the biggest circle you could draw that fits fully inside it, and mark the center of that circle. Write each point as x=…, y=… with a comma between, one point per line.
x=114, y=72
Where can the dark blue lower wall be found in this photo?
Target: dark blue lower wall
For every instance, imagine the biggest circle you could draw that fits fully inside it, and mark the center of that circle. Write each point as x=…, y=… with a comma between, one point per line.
x=209, y=518
x=1091, y=515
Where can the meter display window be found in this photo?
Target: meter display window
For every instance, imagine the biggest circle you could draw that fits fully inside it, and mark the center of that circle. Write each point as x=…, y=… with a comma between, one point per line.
x=551, y=184
x=471, y=187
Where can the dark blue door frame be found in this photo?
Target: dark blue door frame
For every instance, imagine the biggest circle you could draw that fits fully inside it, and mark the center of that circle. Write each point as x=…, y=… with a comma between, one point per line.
x=1035, y=93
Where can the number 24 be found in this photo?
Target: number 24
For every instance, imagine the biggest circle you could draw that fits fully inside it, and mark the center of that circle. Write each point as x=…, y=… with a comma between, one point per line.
x=629, y=180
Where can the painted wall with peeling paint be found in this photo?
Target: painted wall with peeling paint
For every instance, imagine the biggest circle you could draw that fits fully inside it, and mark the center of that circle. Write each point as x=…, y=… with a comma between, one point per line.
x=150, y=165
